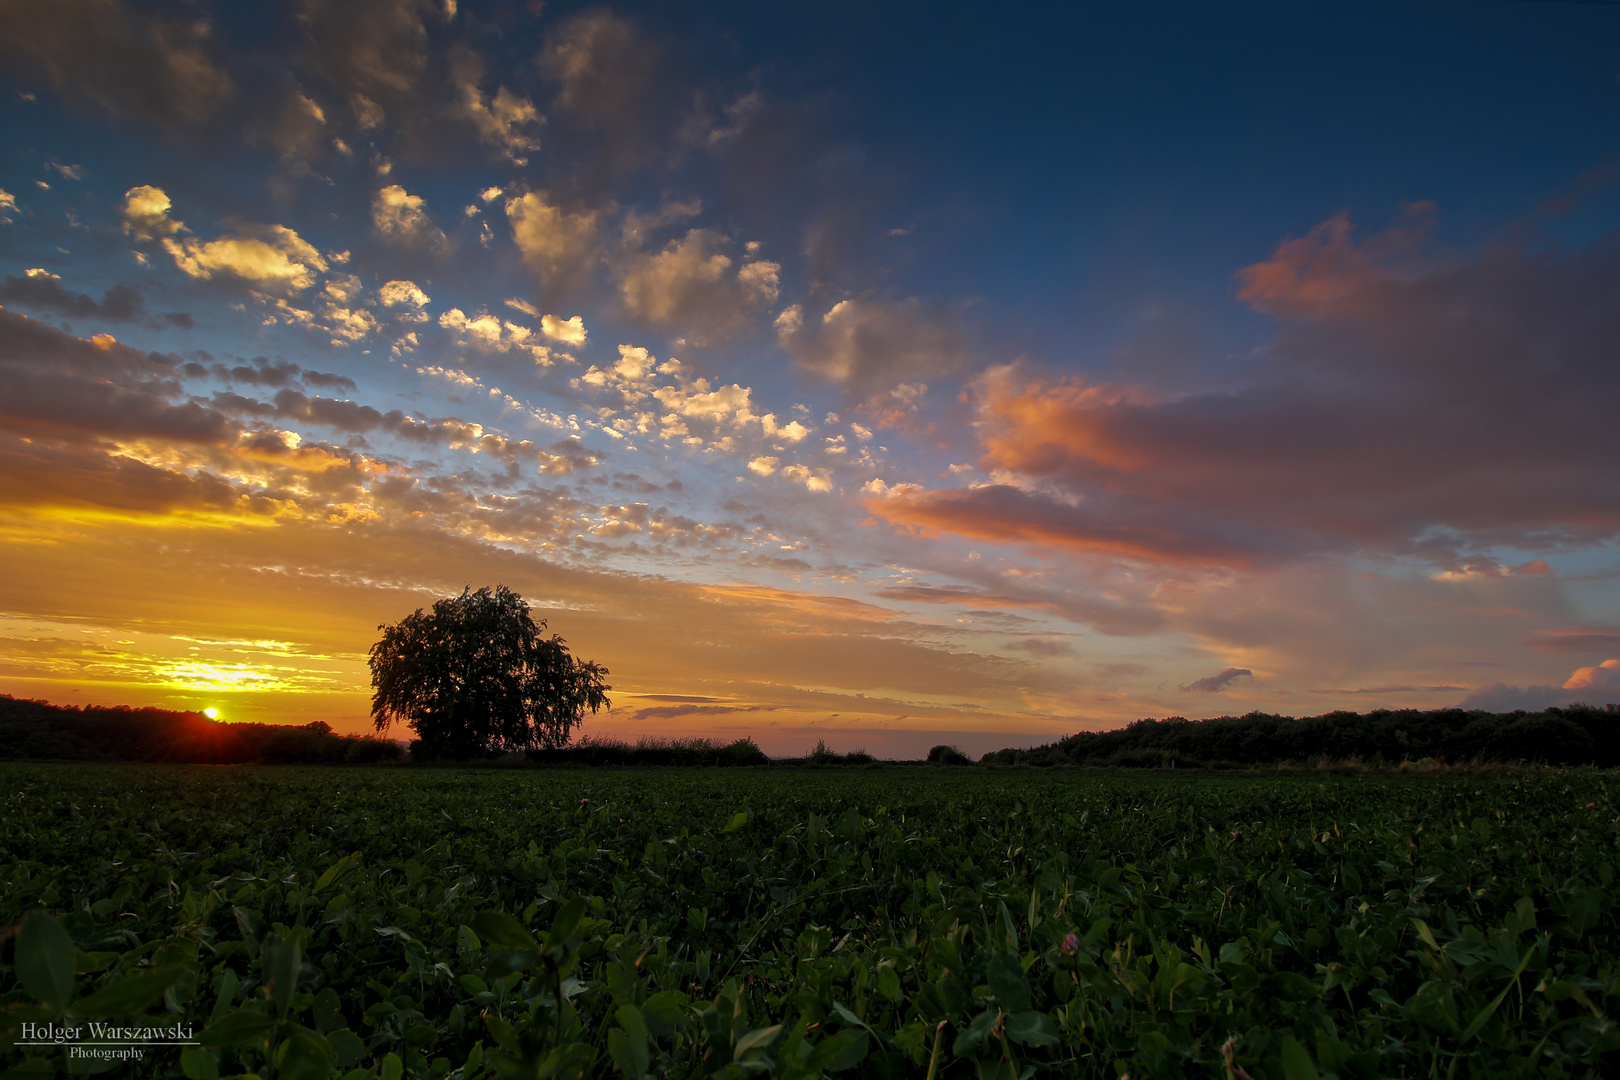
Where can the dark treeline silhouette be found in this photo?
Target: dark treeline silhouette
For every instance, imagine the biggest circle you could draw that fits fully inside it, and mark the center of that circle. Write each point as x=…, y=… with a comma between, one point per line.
x=648, y=751
x=1573, y=735
x=38, y=731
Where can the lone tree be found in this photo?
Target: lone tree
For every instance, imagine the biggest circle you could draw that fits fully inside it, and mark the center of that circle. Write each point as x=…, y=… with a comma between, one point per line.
x=477, y=677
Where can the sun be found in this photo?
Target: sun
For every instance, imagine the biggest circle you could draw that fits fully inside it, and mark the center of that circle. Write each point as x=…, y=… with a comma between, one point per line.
x=211, y=713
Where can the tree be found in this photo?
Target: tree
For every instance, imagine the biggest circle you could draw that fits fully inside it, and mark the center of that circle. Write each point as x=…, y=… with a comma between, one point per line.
x=477, y=677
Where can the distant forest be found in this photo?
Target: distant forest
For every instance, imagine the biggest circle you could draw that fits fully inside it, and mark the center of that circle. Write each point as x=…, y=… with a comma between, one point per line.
x=1573, y=735
x=35, y=730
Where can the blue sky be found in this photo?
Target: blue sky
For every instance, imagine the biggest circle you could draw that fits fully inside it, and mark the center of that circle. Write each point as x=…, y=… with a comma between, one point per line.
x=879, y=375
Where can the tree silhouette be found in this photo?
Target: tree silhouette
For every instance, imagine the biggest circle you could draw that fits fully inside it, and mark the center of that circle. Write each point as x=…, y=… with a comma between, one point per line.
x=475, y=677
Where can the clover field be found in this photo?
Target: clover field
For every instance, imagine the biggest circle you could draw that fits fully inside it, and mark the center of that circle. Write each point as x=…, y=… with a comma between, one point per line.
x=888, y=921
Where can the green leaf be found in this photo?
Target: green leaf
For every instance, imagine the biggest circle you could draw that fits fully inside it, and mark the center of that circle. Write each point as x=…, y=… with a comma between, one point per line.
x=129, y=994
x=1008, y=982
x=240, y=1027
x=44, y=959
x=282, y=959
x=328, y=1010
x=968, y=1042
x=198, y=1064
x=304, y=1055
x=738, y=820
x=628, y=1053
x=664, y=1013
x=844, y=1050
x=503, y=1033
x=85, y=963
x=1032, y=1029
x=501, y=930
x=888, y=982
x=757, y=1039
x=567, y=1061
x=392, y=1067
x=337, y=870
x=567, y=921
x=347, y=1048
x=1296, y=1060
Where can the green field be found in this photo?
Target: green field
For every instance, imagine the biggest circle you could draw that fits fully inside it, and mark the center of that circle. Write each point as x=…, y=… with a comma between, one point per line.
x=779, y=922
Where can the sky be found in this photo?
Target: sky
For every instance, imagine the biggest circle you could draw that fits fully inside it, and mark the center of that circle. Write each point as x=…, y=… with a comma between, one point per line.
x=886, y=375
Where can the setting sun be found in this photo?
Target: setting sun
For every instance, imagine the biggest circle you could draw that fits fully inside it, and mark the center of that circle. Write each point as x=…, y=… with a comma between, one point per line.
x=211, y=713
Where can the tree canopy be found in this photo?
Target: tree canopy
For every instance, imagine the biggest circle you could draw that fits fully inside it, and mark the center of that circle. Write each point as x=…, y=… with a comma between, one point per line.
x=476, y=676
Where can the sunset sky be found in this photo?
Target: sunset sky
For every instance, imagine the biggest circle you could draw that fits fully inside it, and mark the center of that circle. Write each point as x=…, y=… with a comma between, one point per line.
x=888, y=374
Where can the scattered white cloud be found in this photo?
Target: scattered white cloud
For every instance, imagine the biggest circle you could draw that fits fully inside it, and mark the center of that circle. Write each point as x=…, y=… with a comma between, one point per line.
x=570, y=331
x=504, y=119
x=487, y=333
x=400, y=293
x=146, y=213
x=271, y=257
x=402, y=217
x=559, y=246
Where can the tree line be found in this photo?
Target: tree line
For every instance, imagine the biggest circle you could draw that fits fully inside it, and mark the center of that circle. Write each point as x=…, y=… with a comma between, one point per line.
x=39, y=731
x=1573, y=735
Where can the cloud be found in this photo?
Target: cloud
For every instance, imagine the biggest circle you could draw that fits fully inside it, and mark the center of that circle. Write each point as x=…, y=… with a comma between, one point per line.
x=131, y=63
x=868, y=346
x=690, y=285
x=559, y=246
x=400, y=293
x=1596, y=685
x=43, y=289
x=503, y=120
x=1374, y=424
x=488, y=334
x=570, y=331
x=1602, y=678
x=272, y=257
x=1214, y=684
x=373, y=51
x=702, y=128
x=146, y=213
x=608, y=92
x=85, y=389
x=402, y=218
x=298, y=127
x=1575, y=639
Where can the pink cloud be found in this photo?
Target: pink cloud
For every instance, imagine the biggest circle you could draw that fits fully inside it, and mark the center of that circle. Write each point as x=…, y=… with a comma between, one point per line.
x=1393, y=414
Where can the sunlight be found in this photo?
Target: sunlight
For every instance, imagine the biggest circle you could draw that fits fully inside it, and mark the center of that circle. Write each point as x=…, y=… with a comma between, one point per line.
x=211, y=713
x=200, y=675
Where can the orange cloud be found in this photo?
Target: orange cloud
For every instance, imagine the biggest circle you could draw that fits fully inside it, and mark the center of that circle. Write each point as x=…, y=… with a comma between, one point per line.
x=1378, y=422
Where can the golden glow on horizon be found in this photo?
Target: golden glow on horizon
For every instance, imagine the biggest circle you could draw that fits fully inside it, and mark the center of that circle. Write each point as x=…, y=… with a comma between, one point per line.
x=211, y=713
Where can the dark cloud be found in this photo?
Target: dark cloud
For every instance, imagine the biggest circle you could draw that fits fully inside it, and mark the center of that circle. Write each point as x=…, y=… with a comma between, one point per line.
x=37, y=473
x=607, y=106
x=868, y=346
x=669, y=712
x=1391, y=690
x=561, y=458
x=262, y=371
x=41, y=289
x=94, y=388
x=1502, y=698
x=1214, y=684
x=373, y=51
x=131, y=63
x=1394, y=414
x=1593, y=640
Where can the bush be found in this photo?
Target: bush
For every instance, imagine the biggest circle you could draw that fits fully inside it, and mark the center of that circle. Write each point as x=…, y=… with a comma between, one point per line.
x=945, y=754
